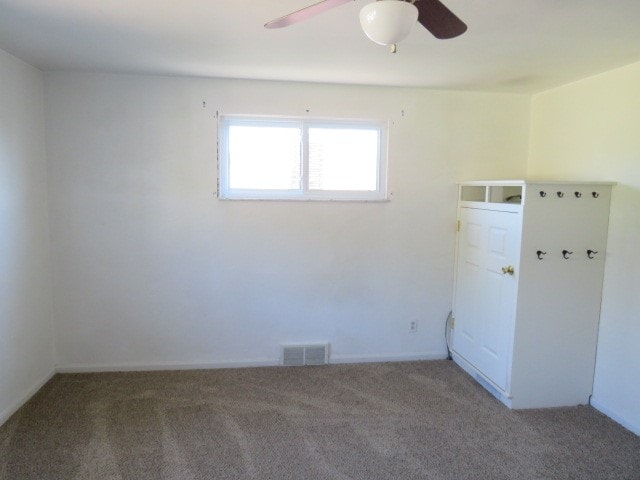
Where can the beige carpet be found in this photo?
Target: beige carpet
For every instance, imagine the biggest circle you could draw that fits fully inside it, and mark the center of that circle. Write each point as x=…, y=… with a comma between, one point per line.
x=415, y=420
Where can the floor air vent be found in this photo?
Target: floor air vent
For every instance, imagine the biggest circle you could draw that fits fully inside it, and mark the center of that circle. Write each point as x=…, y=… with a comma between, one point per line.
x=298, y=355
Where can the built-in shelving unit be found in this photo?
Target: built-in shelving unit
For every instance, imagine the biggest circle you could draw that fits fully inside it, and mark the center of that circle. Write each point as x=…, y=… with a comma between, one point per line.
x=529, y=268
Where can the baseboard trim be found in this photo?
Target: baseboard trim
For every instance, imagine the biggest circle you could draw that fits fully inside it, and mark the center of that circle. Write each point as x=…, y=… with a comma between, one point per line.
x=485, y=382
x=143, y=367
x=7, y=412
x=146, y=367
x=616, y=417
x=387, y=358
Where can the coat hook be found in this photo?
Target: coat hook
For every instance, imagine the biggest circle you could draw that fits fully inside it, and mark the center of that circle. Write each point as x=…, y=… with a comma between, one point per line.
x=543, y=193
x=578, y=194
x=566, y=253
x=560, y=194
x=595, y=194
x=591, y=253
x=540, y=254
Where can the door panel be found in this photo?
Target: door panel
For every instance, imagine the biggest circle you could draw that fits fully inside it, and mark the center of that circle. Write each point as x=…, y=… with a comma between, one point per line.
x=485, y=296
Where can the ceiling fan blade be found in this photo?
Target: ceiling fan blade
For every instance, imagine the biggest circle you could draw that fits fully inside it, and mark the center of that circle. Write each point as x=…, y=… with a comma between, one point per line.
x=303, y=14
x=439, y=20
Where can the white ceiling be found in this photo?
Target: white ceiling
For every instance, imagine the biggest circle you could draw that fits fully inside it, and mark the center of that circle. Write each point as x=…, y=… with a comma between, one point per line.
x=511, y=45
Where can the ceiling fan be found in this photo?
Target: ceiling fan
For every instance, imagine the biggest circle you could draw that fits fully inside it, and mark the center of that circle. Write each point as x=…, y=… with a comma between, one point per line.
x=388, y=21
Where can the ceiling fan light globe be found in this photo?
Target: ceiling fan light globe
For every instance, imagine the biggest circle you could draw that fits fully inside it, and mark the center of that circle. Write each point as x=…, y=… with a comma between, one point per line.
x=388, y=21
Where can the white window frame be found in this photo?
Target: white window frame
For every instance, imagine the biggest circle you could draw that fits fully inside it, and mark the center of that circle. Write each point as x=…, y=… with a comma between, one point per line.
x=303, y=193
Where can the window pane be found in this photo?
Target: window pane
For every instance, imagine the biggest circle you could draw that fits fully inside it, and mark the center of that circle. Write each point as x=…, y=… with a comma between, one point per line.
x=264, y=157
x=343, y=159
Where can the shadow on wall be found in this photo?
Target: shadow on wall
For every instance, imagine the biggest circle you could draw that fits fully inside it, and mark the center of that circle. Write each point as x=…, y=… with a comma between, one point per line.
x=623, y=254
x=618, y=356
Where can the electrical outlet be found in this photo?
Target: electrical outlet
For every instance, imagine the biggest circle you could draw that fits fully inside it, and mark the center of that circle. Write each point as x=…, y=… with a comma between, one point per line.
x=413, y=326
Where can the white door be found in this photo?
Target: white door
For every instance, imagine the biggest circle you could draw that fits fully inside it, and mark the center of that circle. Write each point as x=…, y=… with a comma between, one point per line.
x=485, y=302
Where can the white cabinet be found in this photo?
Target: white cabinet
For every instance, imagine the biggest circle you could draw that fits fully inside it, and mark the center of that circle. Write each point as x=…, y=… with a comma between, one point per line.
x=529, y=268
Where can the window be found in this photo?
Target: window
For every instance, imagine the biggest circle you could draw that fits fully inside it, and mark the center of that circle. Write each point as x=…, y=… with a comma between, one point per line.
x=272, y=158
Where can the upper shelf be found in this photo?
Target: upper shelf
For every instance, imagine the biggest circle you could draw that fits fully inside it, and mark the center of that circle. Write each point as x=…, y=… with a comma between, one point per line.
x=511, y=194
x=508, y=192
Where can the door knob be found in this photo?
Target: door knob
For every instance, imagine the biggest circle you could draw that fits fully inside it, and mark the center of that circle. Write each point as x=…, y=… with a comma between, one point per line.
x=508, y=270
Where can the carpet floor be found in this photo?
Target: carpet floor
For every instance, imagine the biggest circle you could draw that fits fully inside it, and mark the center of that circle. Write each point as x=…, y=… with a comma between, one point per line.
x=413, y=420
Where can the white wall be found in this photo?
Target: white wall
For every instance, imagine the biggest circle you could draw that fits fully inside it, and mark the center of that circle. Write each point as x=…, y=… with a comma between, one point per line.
x=26, y=345
x=150, y=269
x=590, y=130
